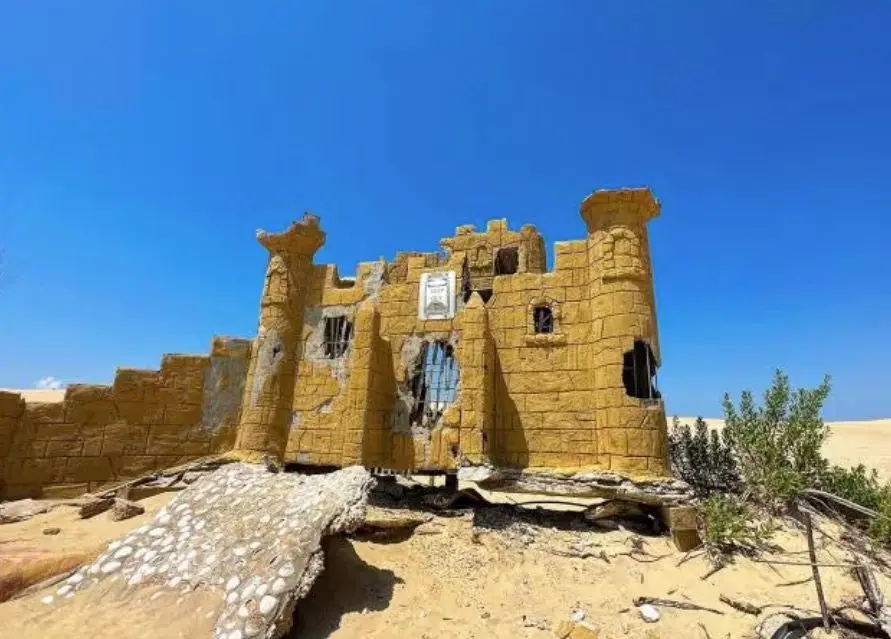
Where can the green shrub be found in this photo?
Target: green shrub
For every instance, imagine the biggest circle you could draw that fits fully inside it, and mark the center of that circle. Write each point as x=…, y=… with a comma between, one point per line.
x=703, y=459
x=854, y=484
x=862, y=487
x=728, y=525
x=777, y=445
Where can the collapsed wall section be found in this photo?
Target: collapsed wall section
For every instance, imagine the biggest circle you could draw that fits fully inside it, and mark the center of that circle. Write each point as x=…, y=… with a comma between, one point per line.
x=144, y=421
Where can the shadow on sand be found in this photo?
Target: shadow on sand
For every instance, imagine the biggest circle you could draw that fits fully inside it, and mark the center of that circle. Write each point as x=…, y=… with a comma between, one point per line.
x=347, y=584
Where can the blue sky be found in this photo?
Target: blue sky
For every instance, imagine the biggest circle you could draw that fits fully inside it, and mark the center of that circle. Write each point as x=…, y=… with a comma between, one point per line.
x=143, y=142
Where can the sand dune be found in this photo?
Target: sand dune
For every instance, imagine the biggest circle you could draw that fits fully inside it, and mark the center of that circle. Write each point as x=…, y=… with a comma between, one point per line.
x=38, y=395
x=850, y=443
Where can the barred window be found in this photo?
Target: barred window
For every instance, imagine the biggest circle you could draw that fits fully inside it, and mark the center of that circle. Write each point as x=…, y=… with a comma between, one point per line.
x=338, y=332
x=543, y=319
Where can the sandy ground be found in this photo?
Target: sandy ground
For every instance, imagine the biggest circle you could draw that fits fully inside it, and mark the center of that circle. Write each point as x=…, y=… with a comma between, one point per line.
x=471, y=575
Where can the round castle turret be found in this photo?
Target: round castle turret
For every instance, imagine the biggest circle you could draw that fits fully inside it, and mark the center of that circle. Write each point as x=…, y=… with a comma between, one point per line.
x=630, y=414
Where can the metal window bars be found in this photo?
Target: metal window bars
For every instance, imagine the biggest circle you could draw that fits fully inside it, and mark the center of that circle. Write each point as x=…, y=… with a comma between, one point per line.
x=434, y=384
x=338, y=332
x=543, y=319
x=639, y=372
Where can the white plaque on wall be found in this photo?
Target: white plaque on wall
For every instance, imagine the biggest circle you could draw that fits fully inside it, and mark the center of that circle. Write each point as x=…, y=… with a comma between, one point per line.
x=436, y=298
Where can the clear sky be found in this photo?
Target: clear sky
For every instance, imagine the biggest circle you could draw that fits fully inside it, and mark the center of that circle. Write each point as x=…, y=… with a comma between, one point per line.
x=143, y=142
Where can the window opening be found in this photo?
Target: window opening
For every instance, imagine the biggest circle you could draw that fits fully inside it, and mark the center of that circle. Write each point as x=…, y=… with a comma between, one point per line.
x=639, y=372
x=465, y=281
x=543, y=319
x=434, y=384
x=338, y=332
x=507, y=260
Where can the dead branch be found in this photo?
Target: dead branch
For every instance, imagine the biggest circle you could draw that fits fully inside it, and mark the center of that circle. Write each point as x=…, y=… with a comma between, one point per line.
x=705, y=630
x=671, y=603
x=649, y=560
x=696, y=552
x=742, y=606
x=580, y=554
x=817, y=582
x=796, y=583
x=712, y=571
x=863, y=510
x=780, y=562
x=880, y=613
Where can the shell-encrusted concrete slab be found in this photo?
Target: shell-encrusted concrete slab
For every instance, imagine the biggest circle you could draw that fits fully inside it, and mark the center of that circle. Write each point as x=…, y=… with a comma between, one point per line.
x=227, y=558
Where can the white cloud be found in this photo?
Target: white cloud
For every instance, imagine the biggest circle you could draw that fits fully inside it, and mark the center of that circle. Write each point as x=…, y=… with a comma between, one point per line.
x=50, y=383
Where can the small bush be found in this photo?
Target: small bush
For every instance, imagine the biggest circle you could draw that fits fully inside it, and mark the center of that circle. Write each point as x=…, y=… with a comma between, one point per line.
x=728, y=525
x=854, y=484
x=703, y=459
x=862, y=487
x=777, y=445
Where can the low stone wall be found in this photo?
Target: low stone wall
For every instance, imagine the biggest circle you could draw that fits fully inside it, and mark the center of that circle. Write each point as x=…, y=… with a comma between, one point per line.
x=146, y=420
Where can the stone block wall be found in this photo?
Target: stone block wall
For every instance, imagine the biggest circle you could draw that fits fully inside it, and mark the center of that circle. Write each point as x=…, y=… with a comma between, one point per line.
x=525, y=397
x=146, y=420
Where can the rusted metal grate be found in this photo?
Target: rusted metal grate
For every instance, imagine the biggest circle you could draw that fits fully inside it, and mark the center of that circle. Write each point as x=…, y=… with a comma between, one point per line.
x=338, y=332
x=543, y=319
x=434, y=384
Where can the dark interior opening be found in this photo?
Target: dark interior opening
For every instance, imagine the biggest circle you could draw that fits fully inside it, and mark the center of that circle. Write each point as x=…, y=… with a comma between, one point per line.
x=434, y=384
x=338, y=332
x=543, y=319
x=507, y=261
x=639, y=371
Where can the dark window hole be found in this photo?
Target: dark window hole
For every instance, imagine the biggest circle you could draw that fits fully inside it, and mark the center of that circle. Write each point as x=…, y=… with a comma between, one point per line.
x=507, y=261
x=639, y=372
x=543, y=319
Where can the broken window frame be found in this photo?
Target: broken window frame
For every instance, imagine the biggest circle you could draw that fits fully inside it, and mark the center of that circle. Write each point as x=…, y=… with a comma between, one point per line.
x=640, y=372
x=542, y=319
x=337, y=334
x=434, y=383
x=507, y=261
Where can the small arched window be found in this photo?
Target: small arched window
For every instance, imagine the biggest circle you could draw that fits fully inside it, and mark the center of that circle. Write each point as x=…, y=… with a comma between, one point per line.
x=542, y=319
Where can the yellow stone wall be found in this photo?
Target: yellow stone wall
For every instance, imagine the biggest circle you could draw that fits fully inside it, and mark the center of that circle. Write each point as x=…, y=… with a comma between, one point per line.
x=524, y=400
x=144, y=421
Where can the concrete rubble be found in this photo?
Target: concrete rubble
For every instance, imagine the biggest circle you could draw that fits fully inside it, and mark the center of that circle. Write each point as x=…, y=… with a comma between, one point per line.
x=248, y=538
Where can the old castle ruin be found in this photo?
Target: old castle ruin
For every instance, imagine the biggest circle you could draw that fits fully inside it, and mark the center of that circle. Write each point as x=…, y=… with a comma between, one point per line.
x=472, y=357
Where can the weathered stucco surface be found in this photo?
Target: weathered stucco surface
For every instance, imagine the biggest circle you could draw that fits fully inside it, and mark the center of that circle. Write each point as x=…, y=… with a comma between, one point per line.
x=561, y=398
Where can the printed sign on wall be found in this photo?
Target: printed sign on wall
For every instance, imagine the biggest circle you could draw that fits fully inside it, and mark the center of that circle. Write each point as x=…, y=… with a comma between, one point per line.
x=436, y=299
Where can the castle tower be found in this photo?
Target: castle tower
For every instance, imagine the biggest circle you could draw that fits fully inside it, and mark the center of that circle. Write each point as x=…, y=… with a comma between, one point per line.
x=269, y=389
x=631, y=426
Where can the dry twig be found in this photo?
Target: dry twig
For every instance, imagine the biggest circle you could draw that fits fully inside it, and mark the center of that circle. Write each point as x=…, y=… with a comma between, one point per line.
x=817, y=582
x=671, y=603
x=742, y=606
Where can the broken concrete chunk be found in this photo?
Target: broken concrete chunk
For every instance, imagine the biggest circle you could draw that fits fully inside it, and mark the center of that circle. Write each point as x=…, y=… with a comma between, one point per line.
x=614, y=509
x=125, y=509
x=22, y=509
x=94, y=507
